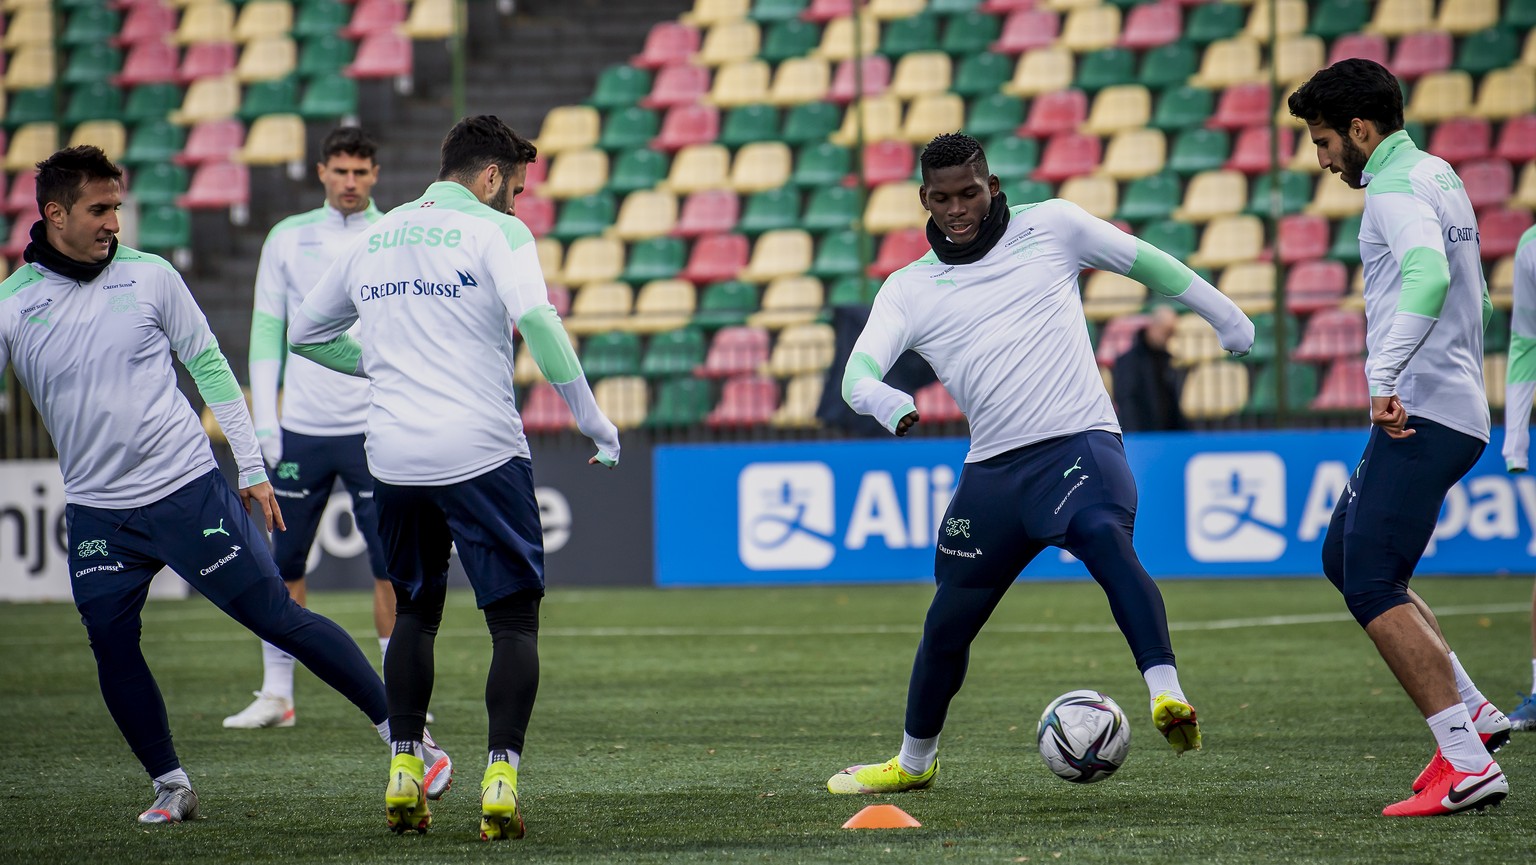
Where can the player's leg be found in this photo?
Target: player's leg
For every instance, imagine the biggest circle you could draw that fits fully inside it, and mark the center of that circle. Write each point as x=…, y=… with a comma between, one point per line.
x=1524, y=716
x=510, y=690
x=352, y=466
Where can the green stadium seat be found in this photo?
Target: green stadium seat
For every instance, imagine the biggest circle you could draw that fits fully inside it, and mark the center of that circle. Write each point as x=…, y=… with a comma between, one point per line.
x=994, y=114
x=327, y=54
x=982, y=73
x=1108, y=67
x=813, y=121
x=1011, y=157
x=906, y=35
x=769, y=211
x=154, y=141
x=832, y=208
x=1496, y=336
x=320, y=18
x=726, y=304
x=159, y=184
x=620, y=86
x=96, y=101
x=629, y=128
x=749, y=124
x=768, y=11
x=164, y=228
x=1027, y=191
x=953, y=7
x=820, y=164
x=588, y=215
x=31, y=106
x=1196, y=150
x=656, y=258
x=1295, y=193
x=970, y=34
x=838, y=256
x=1520, y=15
x=1182, y=108
x=1169, y=65
x=638, y=169
x=1334, y=18
x=90, y=25
x=1178, y=239
x=1300, y=386
x=270, y=97
x=1264, y=345
x=1156, y=196
x=329, y=98
x=1346, y=241
x=1209, y=22
x=786, y=39
x=673, y=353
x=1487, y=50
x=151, y=102
x=680, y=402
x=91, y=63
x=615, y=352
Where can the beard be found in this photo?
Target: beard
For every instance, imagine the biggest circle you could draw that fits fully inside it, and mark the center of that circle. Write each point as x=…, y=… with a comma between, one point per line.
x=498, y=201
x=1352, y=164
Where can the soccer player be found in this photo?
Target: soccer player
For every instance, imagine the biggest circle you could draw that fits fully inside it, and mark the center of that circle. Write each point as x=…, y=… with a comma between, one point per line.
x=436, y=287
x=1425, y=308
x=995, y=310
x=91, y=327
x=1519, y=391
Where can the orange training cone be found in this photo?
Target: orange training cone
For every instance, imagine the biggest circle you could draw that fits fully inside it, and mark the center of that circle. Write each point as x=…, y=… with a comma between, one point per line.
x=881, y=817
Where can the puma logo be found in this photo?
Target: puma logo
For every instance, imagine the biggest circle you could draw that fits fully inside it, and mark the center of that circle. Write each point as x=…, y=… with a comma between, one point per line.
x=217, y=530
x=1075, y=466
x=1462, y=728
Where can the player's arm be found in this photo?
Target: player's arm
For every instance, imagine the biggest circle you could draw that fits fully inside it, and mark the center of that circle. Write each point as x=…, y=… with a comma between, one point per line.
x=1412, y=232
x=318, y=330
x=1520, y=383
x=520, y=284
x=269, y=345
x=884, y=338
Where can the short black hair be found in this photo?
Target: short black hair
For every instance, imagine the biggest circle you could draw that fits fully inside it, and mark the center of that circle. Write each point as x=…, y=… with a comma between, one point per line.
x=62, y=177
x=475, y=142
x=348, y=140
x=951, y=149
x=1348, y=89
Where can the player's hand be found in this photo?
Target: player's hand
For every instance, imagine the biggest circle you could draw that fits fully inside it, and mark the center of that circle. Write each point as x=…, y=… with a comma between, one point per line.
x=1387, y=412
x=1517, y=470
x=271, y=445
x=906, y=424
x=263, y=495
x=603, y=459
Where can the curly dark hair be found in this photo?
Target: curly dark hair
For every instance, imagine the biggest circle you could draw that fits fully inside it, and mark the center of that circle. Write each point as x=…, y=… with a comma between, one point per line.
x=475, y=142
x=951, y=149
x=62, y=177
x=1348, y=89
x=349, y=140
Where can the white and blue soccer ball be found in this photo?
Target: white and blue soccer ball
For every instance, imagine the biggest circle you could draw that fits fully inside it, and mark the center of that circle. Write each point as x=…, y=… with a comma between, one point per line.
x=1083, y=736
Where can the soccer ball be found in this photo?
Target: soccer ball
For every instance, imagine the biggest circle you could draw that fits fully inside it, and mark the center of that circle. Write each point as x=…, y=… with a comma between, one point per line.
x=1083, y=736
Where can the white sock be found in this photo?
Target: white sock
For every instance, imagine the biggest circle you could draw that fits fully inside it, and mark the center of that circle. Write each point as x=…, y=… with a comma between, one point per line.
x=276, y=672
x=512, y=757
x=383, y=648
x=1472, y=698
x=1458, y=739
x=175, y=778
x=1533, y=675
x=383, y=728
x=917, y=755
x=1163, y=678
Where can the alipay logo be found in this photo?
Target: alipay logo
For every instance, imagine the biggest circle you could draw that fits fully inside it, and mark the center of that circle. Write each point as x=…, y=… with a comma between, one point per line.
x=786, y=516
x=1234, y=507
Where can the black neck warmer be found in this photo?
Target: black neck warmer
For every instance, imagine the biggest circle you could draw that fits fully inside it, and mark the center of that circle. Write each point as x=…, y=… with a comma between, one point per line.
x=42, y=252
x=987, y=235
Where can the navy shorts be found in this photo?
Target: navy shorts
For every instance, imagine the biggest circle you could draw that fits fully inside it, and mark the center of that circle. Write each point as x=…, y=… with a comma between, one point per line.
x=492, y=519
x=303, y=482
x=1008, y=508
x=201, y=532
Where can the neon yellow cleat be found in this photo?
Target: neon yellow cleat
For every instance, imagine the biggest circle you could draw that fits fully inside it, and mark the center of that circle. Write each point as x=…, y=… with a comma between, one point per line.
x=501, y=816
x=887, y=777
x=1176, y=720
x=405, y=799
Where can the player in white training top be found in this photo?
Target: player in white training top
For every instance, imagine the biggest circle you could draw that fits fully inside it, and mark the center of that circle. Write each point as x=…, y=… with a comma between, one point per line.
x=1519, y=390
x=1426, y=305
x=995, y=309
x=436, y=287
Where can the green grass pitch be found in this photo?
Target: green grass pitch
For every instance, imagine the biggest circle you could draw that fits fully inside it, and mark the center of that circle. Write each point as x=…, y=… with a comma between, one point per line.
x=700, y=726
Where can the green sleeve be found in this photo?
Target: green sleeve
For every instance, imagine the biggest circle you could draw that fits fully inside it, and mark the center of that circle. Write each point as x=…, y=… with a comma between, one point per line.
x=860, y=366
x=269, y=337
x=549, y=345
x=215, y=381
x=1487, y=308
x=1426, y=279
x=1160, y=271
x=343, y=354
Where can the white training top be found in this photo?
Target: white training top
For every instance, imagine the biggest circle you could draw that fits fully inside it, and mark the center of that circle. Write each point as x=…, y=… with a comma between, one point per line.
x=316, y=401
x=1520, y=383
x=434, y=287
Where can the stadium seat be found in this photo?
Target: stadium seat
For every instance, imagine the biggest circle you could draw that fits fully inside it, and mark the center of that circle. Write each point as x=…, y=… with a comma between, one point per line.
x=264, y=19
x=674, y=352
x=620, y=86
x=1026, y=30
x=89, y=64
x=1463, y=17
x=1230, y=62
x=624, y=129
x=810, y=123
x=706, y=13
x=802, y=395
x=1241, y=105
x=680, y=402
x=800, y=80
x=148, y=63
x=1027, y=191
x=1196, y=150
x=1343, y=388
x=981, y=75
x=1334, y=18
x=698, y=167
x=681, y=84
x=710, y=212
x=536, y=212
x=1333, y=199
x=593, y=260
x=892, y=207
x=1116, y=338
x=726, y=304
x=1487, y=50
x=22, y=196
x=151, y=102
x=881, y=120
x=1289, y=19
x=1346, y=241
x=747, y=400
x=786, y=252
x=729, y=42
x=1091, y=28
x=381, y=55
x=270, y=97
x=374, y=17
x=1149, y=25
x=1397, y=18
x=146, y=22
x=274, y=139
x=770, y=210
x=1182, y=108
x=970, y=34
x=1501, y=286
x=735, y=351
x=789, y=39
x=1506, y=93
x=329, y=97
x=749, y=124
x=1152, y=197
x=832, y=208
x=1367, y=46
x=850, y=291
x=109, y=135
x=1194, y=341
x=1461, y=140
x=1213, y=194
x=1214, y=389
x=1296, y=58
x=1252, y=152
x=152, y=142
x=1251, y=285
x=1440, y=96
x=646, y=214
x=267, y=59
x=1107, y=67
x=576, y=173
x=1042, y=70
x=914, y=34
x=935, y=405
x=544, y=410
x=891, y=10
x=212, y=141
x=686, y=125
x=995, y=114
x=761, y=166
x=1229, y=240
x=1418, y=54
x=838, y=43
x=207, y=60
x=1096, y=194
x=839, y=255
x=430, y=19
x=624, y=399
x=1068, y=155
x=1168, y=66
x=897, y=250
x=1117, y=109
x=1302, y=238
x=600, y=307
x=662, y=305
x=30, y=68
x=209, y=99
x=921, y=74
x=164, y=228
x=206, y=22
x=551, y=255
x=1312, y=286
x=656, y=258
x=318, y=18
x=1055, y=113
x=1107, y=295
x=1211, y=22
x=1525, y=188
x=1331, y=334
x=1517, y=140
x=802, y=348
x=1178, y=239
x=716, y=258
x=932, y=115
x=1013, y=158
x=789, y=301
x=98, y=101
x=217, y=185
x=1500, y=231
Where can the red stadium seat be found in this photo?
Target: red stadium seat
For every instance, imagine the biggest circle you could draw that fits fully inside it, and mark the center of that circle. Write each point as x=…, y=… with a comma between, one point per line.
x=544, y=410
x=560, y=299
x=716, y=258
x=1461, y=139
x=748, y=400
x=1501, y=230
x=1366, y=46
x=146, y=22
x=23, y=195
x=685, y=125
x=1303, y=238
x=1118, y=336
x=899, y=249
x=536, y=213
x=1026, y=30
x=21, y=235
x=681, y=84
x=935, y=405
x=371, y=17
x=822, y=11
x=1152, y=24
x=1241, y=105
x=735, y=351
x=888, y=162
x=668, y=42
x=1315, y=285
x=877, y=77
x=381, y=55
x=149, y=62
x=538, y=170
x=1069, y=154
x=1006, y=7
x=1344, y=387
x=1517, y=139
x=3, y=184
x=1332, y=333
x=1489, y=182
x=713, y=211
x=217, y=185
x=1054, y=113
x=1422, y=53
x=207, y=60
x=1251, y=154
x=212, y=141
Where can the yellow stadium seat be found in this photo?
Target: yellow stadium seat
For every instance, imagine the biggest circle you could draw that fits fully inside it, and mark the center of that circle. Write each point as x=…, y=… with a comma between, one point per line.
x=1043, y=70
x=274, y=139
x=837, y=40
x=892, y=207
x=1525, y=190
x=209, y=99
x=698, y=167
x=1355, y=299
x=569, y=127
x=575, y=173
x=1400, y=17
x=1119, y=108
x=624, y=399
x=882, y=120
x=1091, y=28
x=1501, y=283
x=1213, y=194
x=263, y=20
x=1109, y=295
x=267, y=59
x=109, y=135
x=1285, y=120
x=889, y=10
x=525, y=371
x=731, y=42
x=1304, y=160
x=1230, y=61
x=1296, y=58
x=931, y=115
x=1464, y=17
x=32, y=25
x=760, y=166
x=30, y=145
x=1215, y=389
x=30, y=68
x=1528, y=56
x=783, y=252
x=803, y=348
x=1440, y=96
x=11, y=6
x=646, y=214
x=800, y=80
x=593, y=259
x=920, y=73
x=1193, y=341
x=431, y=19
x=1506, y=93
x=1095, y=193
x=598, y=306
x=1333, y=199
x=662, y=305
x=1251, y=285
x=801, y=397
x=741, y=83
x=551, y=254
x=206, y=22
x=1135, y=153
x=1495, y=373
x=1068, y=5
x=788, y=301
x=707, y=13
x=1292, y=15
x=1229, y=240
